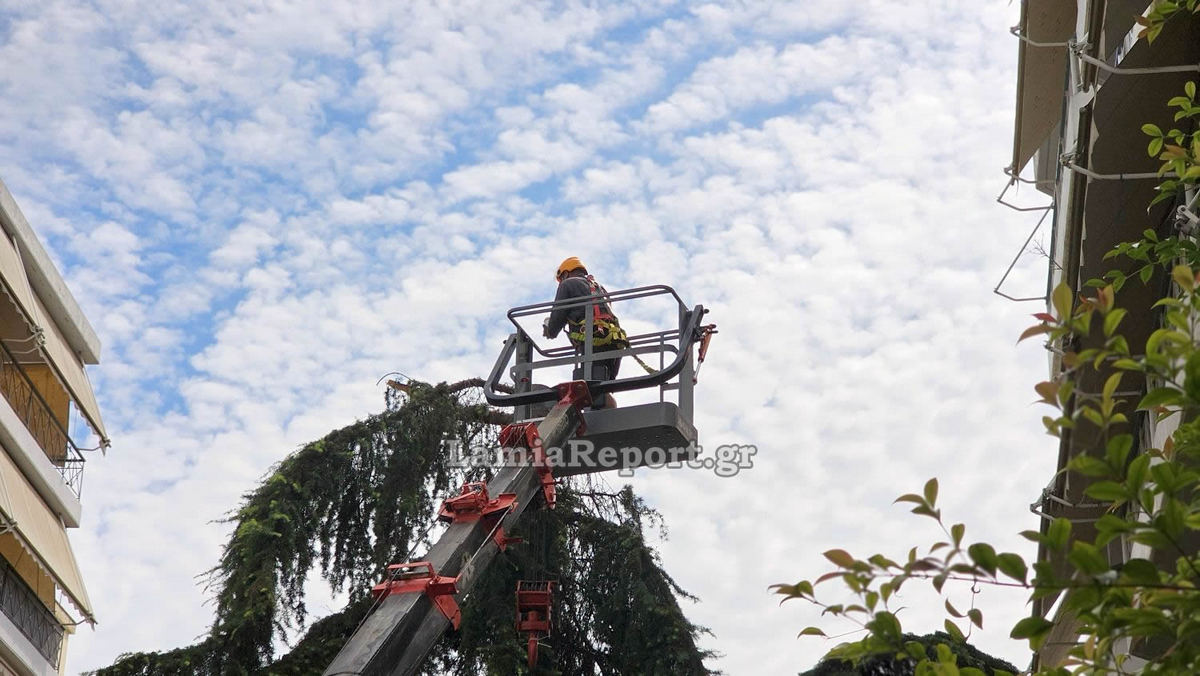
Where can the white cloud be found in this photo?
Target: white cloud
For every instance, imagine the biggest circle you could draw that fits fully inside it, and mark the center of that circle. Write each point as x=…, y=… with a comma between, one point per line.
x=765, y=75
x=264, y=208
x=244, y=247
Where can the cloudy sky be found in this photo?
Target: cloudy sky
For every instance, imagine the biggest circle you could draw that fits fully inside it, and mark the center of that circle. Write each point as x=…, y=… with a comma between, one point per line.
x=263, y=207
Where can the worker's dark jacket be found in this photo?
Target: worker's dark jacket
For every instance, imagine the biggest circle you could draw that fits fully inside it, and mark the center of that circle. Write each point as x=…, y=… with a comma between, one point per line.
x=576, y=286
x=568, y=289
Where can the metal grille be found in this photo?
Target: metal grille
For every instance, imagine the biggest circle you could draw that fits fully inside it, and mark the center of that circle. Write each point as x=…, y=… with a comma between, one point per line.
x=21, y=605
x=32, y=409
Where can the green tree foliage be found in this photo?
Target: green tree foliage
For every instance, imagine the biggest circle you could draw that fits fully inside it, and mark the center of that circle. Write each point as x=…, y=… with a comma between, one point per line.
x=366, y=495
x=939, y=648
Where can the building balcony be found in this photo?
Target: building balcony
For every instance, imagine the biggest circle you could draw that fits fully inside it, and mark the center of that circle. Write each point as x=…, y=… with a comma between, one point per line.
x=46, y=423
x=21, y=607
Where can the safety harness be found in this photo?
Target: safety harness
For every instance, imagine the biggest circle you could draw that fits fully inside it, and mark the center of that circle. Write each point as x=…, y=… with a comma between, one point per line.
x=606, y=329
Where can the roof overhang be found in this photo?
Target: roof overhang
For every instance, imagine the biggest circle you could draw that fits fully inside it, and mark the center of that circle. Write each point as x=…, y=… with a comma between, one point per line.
x=48, y=282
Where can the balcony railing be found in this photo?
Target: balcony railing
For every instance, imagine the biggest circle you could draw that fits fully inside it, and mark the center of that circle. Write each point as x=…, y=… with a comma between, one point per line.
x=50, y=433
x=34, y=620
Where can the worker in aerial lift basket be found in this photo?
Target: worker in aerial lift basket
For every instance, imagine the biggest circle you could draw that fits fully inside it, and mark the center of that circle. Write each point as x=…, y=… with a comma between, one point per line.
x=607, y=334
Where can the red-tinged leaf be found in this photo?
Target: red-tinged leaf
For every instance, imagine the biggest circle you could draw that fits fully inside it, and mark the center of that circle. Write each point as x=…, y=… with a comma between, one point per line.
x=1044, y=316
x=910, y=497
x=1048, y=391
x=1173, y=152
x=828, y=576
x=1105, y=298
x=1034, y=331
x=840, y=557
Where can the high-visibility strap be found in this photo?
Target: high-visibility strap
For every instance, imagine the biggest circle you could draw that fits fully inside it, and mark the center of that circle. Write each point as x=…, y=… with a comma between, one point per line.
x=649, y=369
x=604, y=332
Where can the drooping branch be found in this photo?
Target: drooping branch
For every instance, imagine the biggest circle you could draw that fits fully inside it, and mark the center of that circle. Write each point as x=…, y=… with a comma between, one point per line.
x=366, y=495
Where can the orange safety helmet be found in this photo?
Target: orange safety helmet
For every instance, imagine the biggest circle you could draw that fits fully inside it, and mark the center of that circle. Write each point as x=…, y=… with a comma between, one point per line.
x=572, y=263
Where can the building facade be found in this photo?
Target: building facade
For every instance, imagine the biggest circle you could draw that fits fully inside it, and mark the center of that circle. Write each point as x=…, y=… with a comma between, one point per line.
x=49, y=419
x=1086, y=85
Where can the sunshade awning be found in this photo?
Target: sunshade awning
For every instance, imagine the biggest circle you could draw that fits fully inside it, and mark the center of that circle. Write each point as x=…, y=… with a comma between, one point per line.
x=58, y=353
x=42, y=533
x=1041, y=74
x=70, y=370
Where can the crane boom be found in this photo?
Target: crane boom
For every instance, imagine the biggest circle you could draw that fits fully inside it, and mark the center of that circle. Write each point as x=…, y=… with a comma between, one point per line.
x=420, y=600
x=397, y=636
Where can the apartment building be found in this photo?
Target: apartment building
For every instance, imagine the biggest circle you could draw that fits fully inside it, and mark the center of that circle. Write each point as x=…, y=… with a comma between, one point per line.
x=49, y=423
x=1086, y=85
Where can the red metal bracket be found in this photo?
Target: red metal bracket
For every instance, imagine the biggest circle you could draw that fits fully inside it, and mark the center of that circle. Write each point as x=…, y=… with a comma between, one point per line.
x=525, y=434
x=706, y=333
x=534, y=603
x=419, y=577
x=574, y=393
x=503, y=541
x=473, y=503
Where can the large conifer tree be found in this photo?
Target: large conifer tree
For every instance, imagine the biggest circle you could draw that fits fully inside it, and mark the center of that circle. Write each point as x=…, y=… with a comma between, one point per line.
x=366, y=495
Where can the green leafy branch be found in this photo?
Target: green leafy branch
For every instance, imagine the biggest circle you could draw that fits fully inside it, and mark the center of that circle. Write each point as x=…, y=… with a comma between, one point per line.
x=1149, y=496
x=1160, y=12
x=1176, y=148
x=877, y=579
